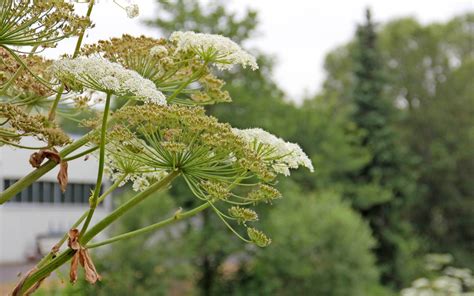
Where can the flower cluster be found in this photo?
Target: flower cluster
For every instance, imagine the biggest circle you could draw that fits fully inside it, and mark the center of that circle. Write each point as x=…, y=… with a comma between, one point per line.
x=217, y=49
x=217, y=163
x=30, y=23
x=148, y=145
x=99, y=74
x=281, y=155
x=17, y=124
x=257, y=237
x=132, y=10
x=161, y=62
x=127, y=169
x=243, y=215
x=25, y=83
x=448, y=280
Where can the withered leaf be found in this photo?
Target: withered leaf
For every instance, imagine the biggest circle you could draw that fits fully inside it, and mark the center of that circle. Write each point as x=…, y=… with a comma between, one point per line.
x=16, y=291
x=63, y=176
x=81, y=257
x=73, y=241
x=37, y=158
x=74, y=266
x=92, y=276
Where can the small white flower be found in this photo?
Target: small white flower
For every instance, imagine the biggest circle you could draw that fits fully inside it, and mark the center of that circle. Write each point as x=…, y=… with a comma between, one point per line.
x=100, y=74
x=140, y=184
x=220, y=50
x=281, y=155
x=118, y=165
x=132, y=10
x=158, y=51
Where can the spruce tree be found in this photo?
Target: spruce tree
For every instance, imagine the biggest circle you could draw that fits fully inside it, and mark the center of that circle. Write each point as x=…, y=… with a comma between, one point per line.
x=385, y=185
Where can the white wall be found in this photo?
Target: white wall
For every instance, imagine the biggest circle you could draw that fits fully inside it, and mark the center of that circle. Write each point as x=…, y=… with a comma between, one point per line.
x=22, y=223
x=14, y=163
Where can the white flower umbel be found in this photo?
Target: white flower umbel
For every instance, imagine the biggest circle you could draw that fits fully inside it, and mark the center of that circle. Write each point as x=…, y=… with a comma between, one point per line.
x=282, y=155
x=120, y=167
x=220, y=50
x=102, y=75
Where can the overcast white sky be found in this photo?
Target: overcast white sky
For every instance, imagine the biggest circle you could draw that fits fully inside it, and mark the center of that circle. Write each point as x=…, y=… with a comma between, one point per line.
x=298, y=32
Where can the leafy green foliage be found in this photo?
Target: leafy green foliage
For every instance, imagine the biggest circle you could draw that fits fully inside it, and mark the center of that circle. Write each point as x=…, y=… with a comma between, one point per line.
x=386, y=183
x=324, y=248
x=380, y=106
x=428, y=76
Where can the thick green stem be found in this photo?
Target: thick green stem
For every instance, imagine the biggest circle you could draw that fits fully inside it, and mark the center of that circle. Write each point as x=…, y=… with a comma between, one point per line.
x=45, y=270
x=117, y=213
x=177, y=217
x=100, y=173
x=81, y=36
x=76, y=224
x=85, y=152
x=52, y=110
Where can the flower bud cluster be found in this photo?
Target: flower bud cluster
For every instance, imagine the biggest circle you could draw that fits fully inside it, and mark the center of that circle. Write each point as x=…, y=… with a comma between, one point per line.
x=243, y=215
x=19, y=123
x=257, y=237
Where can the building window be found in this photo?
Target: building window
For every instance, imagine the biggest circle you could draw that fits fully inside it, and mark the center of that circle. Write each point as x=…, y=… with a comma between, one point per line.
x=49, y=192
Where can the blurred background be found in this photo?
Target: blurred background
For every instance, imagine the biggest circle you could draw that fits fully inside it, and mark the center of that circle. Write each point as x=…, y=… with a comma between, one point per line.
x=381, y=97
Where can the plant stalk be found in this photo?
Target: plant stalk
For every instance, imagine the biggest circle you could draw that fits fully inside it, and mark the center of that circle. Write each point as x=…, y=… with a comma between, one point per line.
x=100, y=173
x=45, y=270
x=76, y=224
x=52, y=111
x=175, y=218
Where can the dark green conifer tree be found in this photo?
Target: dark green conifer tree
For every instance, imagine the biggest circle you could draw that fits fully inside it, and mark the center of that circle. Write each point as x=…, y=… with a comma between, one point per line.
x=386, y=185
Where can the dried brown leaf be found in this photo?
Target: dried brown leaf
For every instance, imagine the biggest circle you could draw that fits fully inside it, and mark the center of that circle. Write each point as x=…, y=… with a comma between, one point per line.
x=81, y=257
x=74, y=266
x=63, y=176
x=73, y=241
x=37, y=158
x=92, y=276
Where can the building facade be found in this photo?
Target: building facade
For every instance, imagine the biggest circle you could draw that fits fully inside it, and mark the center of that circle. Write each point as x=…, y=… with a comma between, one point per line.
x=33, y=221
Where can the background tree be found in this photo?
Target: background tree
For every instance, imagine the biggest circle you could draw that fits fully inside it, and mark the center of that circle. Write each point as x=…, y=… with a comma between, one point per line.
x=386, y=184
x=379, y=107
x=428, y=77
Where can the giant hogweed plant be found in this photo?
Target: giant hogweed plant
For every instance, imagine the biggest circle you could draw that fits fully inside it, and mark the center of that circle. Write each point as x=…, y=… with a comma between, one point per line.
x=160, y=131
